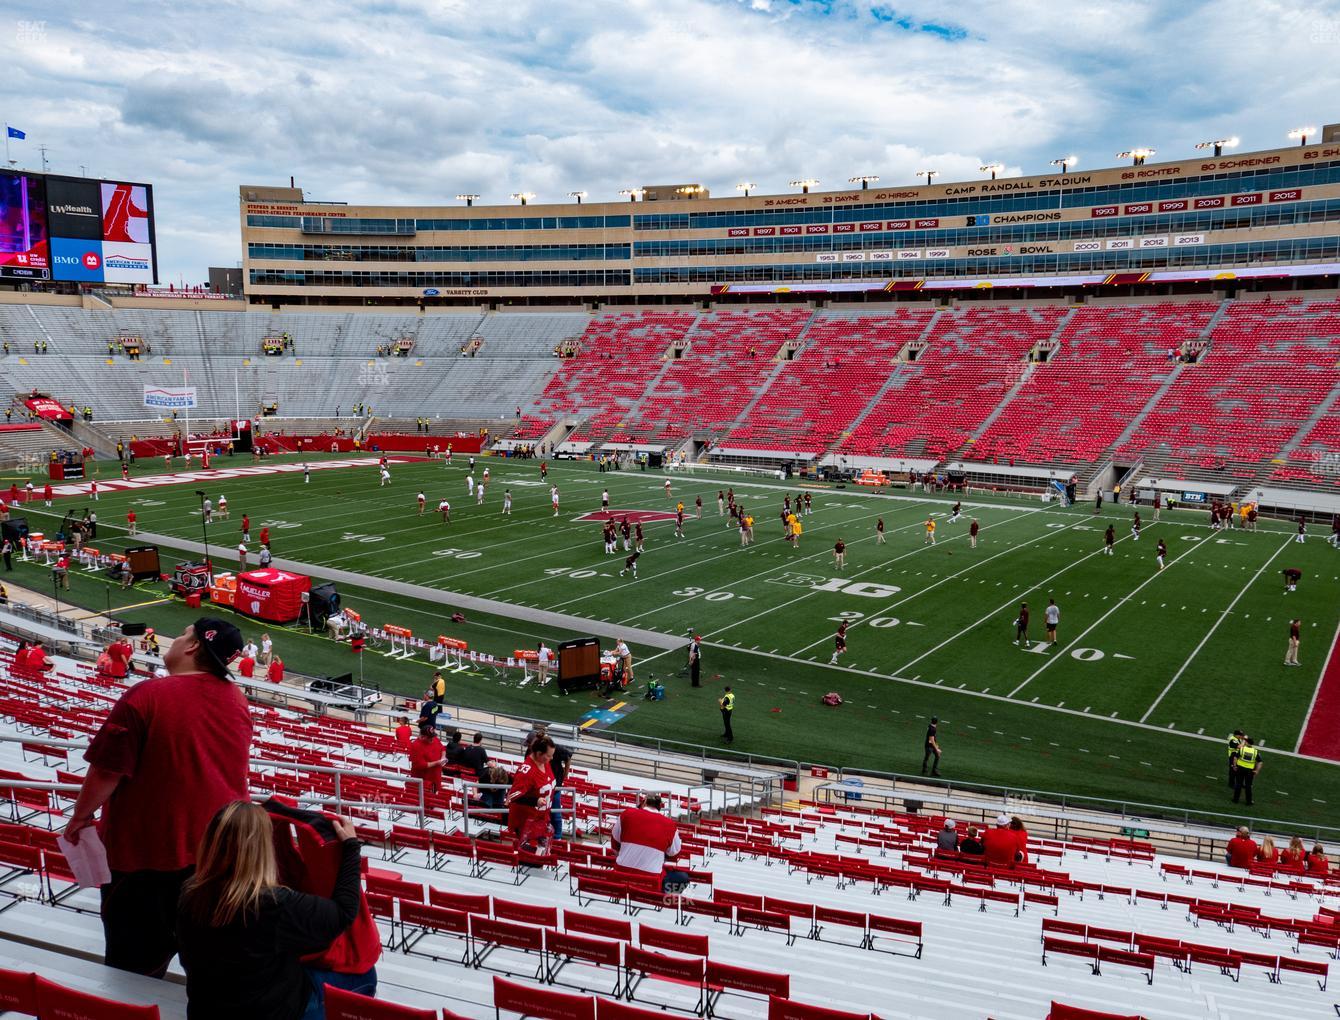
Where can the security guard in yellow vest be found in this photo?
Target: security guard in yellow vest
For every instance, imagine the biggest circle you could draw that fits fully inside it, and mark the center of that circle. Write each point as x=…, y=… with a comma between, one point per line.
x=1234, y=742
x=727, y=703
x=1249, y=767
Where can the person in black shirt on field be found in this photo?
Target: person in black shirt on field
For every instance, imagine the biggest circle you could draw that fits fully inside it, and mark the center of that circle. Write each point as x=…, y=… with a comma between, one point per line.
x=932, y=747
x=241, y=935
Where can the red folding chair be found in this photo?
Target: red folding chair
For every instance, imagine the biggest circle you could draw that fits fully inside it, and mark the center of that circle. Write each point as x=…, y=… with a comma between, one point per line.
x=55, y=1000
x=344, y=1005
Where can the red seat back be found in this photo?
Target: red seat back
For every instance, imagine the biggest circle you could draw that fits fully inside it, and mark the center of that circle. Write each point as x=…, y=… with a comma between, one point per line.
x=1060, y=1011
x=528, y=1000
x=675, y=941
x=762, y=982
x=344, y=1005
x=57, y=1001
x=18, y=992
x=787, y=1009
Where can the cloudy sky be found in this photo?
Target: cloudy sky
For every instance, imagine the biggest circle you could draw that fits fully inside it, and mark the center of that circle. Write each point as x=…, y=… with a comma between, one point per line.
x=413, y=101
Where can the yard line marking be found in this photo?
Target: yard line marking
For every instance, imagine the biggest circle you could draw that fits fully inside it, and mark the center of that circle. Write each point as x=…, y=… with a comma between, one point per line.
x=1210, y=633
x=1074, y=642
x=954, y=637
x=885, y=610
x=805, y=595
x=696, y=564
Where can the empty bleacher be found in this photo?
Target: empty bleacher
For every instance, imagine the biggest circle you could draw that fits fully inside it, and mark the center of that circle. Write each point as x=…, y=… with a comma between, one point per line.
x=1270, y=365
x=1110, y=360
x=972, y=358
x=846, y=359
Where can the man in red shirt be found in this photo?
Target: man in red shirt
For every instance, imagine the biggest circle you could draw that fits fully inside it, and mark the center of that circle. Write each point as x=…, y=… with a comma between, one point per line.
x=1241, y=850
x=645, y=838
x=173, y=751
x=1000, y=844
x=131, y=520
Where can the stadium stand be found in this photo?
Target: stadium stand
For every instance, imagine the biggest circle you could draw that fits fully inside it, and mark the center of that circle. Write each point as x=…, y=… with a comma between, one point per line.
x=847, y=358
x=808, y=909
x=972, y=358
x=1109, y=361
x=1242, y=391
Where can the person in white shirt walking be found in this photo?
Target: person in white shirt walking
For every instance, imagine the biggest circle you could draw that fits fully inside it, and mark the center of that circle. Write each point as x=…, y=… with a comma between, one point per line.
x=507, y=503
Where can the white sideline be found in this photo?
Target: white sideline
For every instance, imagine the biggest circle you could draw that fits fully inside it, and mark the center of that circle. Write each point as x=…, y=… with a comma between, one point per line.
x=1210, y=633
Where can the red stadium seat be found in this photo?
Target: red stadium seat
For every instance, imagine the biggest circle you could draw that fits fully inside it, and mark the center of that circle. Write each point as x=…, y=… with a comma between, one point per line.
x=56, y=1001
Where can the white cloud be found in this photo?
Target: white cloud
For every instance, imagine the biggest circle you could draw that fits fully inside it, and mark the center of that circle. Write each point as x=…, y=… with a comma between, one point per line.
x=402, y=101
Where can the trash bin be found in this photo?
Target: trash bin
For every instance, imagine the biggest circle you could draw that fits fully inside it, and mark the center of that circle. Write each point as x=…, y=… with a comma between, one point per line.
x=852, y=794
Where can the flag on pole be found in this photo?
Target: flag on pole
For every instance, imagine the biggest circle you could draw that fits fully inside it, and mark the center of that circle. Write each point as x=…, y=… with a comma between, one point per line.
x=13, y=132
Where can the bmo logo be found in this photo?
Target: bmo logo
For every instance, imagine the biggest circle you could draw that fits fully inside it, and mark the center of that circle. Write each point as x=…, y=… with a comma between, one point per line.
x=74, y=259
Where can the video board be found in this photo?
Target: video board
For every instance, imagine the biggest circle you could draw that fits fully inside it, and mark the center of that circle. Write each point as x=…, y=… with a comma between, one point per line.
x=76, y=229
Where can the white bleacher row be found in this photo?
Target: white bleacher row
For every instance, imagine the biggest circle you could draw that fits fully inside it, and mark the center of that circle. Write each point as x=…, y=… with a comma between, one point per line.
x=406, y=387
x=173, y=333
x=980, y=958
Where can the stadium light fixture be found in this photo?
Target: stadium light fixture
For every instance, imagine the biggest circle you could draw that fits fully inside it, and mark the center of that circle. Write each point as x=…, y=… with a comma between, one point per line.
x=992, y=169
x=805, y=184
x=1065, y=162
x=633, y=193
x=578, y=195
x=746, y=187
x=523, y=196
x=1302, y=133
x=1137, y=156
x=929, y=175
x=467, y=199
x=864, y=180
x=690, y=190
x=1219, y=144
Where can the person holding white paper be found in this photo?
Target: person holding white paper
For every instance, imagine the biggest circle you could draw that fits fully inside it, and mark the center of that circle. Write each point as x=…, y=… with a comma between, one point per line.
x=173, y=750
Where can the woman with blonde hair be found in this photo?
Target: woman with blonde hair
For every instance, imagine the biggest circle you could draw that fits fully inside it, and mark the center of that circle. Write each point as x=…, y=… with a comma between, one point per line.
x=1296, y=854
x=241, y=934
x=1267, y=853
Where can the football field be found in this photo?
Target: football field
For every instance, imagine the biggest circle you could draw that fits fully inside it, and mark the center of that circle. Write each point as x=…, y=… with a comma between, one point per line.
x=1146, y=664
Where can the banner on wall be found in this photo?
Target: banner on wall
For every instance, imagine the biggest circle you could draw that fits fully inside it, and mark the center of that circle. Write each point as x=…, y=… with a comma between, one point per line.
x=161, y=398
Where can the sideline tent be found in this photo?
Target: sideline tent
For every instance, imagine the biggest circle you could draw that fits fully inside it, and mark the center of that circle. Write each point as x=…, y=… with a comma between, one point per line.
x=270, y=594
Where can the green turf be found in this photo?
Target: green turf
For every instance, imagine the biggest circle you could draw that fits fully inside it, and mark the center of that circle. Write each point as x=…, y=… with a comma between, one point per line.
x=931, y=626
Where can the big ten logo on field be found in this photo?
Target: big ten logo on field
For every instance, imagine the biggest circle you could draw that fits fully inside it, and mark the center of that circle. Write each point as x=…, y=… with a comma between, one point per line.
x=373, y=373
x=837, y=585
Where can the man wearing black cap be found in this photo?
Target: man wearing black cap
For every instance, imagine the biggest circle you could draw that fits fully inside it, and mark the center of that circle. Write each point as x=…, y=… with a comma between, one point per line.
x=932, y=747
x=174, y=749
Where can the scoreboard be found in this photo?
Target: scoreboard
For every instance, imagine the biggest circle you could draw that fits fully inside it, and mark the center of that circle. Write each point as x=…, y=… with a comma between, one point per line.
x=77, y=229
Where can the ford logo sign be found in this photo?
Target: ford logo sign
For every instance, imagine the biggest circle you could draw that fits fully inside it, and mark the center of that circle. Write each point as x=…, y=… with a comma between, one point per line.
x=431, y=292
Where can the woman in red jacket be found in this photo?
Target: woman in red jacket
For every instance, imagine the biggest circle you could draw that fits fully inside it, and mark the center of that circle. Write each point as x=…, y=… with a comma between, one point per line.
x=426, y=756
x=1021, y=840
x=528, y=799
x=1317, y=861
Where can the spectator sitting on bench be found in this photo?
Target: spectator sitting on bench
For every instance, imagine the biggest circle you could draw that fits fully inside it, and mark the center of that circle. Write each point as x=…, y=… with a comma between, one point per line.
x=971, y=843
x=947, y=838
x=1000, y=844
x=645, y=839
